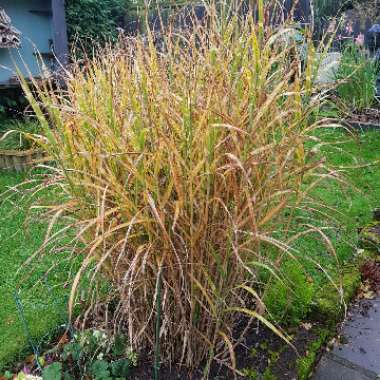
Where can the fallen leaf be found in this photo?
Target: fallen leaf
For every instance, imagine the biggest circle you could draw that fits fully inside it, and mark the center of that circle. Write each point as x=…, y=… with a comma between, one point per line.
x=370, y=295
x=64, y=339
x=306, y=326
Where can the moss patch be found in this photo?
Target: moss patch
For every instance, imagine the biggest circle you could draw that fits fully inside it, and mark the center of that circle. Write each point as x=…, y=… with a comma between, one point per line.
x=306, y=364
x=288, y=299
x=328, y=306
x=370, y=237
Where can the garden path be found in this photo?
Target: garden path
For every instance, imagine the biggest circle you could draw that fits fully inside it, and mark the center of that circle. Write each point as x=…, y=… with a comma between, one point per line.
x=357, y=355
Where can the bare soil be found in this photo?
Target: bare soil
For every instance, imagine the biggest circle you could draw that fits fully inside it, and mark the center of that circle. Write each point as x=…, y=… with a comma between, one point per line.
x=262, y=350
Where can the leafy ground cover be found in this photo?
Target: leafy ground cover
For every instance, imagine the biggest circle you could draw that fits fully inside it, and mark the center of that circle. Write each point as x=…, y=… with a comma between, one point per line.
x=30, y=309
x=44, y=305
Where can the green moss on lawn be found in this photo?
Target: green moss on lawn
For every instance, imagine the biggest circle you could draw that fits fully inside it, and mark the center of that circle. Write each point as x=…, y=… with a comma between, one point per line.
x=328, y=303
x=357, y=158
x=370, y=237
x=306, y=364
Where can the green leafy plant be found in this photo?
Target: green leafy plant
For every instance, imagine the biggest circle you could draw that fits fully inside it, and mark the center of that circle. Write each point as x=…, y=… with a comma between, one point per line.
x=268, y=375
x=52, y=372
x=357, y=75
x=180, y=162
x=98, y=354
x=91, y=354
x=251, y=374
x=288, y=298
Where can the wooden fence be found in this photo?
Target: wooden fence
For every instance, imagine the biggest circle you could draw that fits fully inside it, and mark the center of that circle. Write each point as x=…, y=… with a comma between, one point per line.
x=14, y=160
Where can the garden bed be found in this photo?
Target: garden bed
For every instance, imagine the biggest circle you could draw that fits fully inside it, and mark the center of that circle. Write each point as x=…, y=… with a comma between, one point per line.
x=262, y=355
x=370, y=120
x=363, y=126
x=263, y=349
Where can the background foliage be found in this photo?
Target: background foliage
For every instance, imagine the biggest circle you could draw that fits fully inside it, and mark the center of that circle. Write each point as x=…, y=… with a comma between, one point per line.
x=92, y=21
x=357, y=76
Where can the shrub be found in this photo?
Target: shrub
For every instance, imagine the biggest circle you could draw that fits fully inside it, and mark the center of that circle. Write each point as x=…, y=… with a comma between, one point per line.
x=181, y=164
x=12, y=105
x=94, y=22
x=357, y=74
x=325, y=9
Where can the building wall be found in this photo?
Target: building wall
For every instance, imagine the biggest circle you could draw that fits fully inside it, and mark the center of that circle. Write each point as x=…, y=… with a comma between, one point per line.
x=37, y=35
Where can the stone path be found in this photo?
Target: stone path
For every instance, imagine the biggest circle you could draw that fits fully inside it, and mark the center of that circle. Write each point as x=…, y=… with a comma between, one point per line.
x=357, y=356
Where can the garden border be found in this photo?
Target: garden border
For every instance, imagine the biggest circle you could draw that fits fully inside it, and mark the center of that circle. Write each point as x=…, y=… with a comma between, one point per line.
x=329, y=308
x=362, y=126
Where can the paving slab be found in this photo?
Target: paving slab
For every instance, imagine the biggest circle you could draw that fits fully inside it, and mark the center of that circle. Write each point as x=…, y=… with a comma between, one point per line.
x=333, y=368
x=357, y=356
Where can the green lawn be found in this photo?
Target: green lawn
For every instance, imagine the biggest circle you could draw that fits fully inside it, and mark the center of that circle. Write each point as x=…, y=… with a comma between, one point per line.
x=40, y=308
x=358, y=200
x=357, y=158
x=44, y=305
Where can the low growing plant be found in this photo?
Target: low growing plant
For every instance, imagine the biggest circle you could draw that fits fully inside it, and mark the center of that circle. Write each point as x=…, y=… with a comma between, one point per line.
x=181, y=163
x=288, y=298
x=90, y=354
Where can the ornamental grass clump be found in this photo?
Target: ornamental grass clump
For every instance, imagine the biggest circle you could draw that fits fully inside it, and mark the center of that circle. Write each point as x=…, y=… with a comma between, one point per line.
x=357, y=75
x=182, y=162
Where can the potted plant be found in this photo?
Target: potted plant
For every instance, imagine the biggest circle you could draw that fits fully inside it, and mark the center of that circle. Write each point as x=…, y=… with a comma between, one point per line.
x=17, y=148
